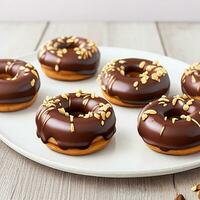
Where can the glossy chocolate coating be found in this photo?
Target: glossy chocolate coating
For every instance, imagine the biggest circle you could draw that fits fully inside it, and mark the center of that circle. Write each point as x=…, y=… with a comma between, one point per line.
x=190, y=81
x=81, y=121
x=139, y=88
x=171, y=123
x=22, y=84
x=73, y=54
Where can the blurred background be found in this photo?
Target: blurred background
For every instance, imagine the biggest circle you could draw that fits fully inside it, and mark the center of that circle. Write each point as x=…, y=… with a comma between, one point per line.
x=98, y=10
x=166, y=27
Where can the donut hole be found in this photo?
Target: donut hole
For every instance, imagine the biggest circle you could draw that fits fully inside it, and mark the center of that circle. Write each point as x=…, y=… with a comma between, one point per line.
x=133, y=72
x=5, y=76
x=76, y=112
x=175, y=113
x=67, y=45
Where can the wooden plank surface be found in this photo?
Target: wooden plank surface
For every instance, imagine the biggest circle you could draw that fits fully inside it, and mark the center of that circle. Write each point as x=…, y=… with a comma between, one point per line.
x=141, y=36
x=181, y=40
x=19, y=38
x=21, y=178
x=128, y=35
x=16, y=39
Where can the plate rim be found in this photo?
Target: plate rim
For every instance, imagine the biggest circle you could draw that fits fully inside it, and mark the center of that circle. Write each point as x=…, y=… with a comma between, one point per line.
x=99, y=173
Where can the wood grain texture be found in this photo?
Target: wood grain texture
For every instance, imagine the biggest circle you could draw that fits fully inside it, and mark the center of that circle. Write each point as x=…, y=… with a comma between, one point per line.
x=16, y=39
x=21, y=178
x=141, y=36
x=94, y=31
x=19, y=38
x=129, y=35
x=181, y=40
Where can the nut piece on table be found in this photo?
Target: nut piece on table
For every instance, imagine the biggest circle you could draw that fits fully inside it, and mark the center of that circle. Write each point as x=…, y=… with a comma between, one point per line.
x=179, y=197
x=196, y=188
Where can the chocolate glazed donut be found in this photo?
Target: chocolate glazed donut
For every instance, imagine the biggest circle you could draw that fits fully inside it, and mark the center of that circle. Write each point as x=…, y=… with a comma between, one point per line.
x=171, y=125
x=190, y=81
x=69, y=58
x=75, y=123
x=133, y=82
x=19, y=84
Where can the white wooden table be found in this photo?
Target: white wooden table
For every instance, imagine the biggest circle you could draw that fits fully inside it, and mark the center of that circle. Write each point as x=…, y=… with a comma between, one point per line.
x=21, y=178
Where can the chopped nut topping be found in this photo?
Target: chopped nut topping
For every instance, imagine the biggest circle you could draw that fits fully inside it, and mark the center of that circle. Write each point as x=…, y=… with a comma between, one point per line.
x=189, y=103
x=150, y=67
x=156, y=62
x=122, y=61
x=111, y=82
x=146, y=113
x=72, y=127
x=103, y=87
x=96, y=115
x=71, y=117
x=151, y=112
x=179, y=197
x=29, y=66
x=162, y=130
x=22, y=68
x=93, y=95
x=78, y=94
x=142, y=64
x=196, y=188
x=8, y=66
x=78, y=91
x=135, y=84
x=34, y=73
x=104, y=107
x=144, y=77
x=85, y=101
x=108, y=114
x=122, y=72
x=193, y=79
x=144, y=117
x=33, y=82
x=56, y=68
x=189, y=118
x=49, y=102
x=83, y=49
x=191, y=71
x=163, y=99
x=103, y=115
x=62, y=111
x=186, y=107
x=174, y=101
x=64, y=95
x=154, y=76
x=185, y=96
x=26, y=70
x=174, y=119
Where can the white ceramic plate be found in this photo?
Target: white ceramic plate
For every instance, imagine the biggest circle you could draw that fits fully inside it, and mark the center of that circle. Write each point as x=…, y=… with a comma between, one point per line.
x=125, y=156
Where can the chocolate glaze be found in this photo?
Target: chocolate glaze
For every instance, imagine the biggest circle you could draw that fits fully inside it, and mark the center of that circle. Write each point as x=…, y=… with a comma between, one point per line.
x=139, y=88
x=81, y=121
x=22, y=84
x=171, y=123
x=71, y=54
x=190, y=81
